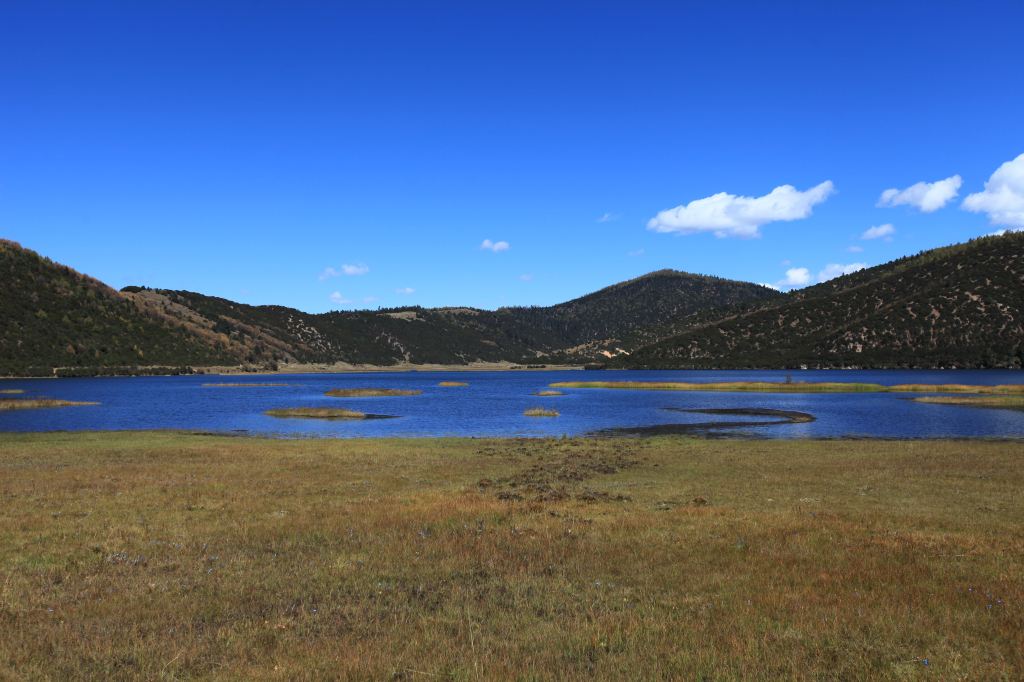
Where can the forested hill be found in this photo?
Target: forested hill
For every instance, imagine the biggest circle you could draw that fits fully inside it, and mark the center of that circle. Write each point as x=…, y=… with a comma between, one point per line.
x=56, y=320
x=958, y=306
x=54, y=317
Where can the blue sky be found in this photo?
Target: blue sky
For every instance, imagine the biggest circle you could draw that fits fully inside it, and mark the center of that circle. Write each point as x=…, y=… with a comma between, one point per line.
x=254, y=150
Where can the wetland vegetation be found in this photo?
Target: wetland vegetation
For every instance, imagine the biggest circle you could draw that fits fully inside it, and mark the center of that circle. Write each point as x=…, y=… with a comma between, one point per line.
x=170, y=555
x=792, y=387
x=38, y=403
x=321, y=413
x=370, y=392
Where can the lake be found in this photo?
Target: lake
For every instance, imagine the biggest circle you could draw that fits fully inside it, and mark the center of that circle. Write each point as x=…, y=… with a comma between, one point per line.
x=493, y=405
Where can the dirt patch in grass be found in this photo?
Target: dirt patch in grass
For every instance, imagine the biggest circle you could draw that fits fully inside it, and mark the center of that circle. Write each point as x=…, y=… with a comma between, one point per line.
x=561, y=469
x=322, y=413
x=370, y=392
x=39, y=403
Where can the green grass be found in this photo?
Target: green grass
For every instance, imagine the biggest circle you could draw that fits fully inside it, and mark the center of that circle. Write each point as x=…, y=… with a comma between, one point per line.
x=540, y=412
x=370, y=392
x=316, y=413
x=792, y=387
x=177, y=556
x=1009, y=402
x=38, y=403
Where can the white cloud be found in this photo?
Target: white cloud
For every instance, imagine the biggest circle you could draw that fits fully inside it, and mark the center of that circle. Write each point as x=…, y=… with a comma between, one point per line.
x=795, y=277
x=1000, y=233
x=405, y=291
x=879, y=231
x=925, y=196
x=338, y=299
x=496, y=247
x=609, y=217
x=728, y=215
x=329, y=273
x=370, y=299
x=354, y=270
x=833, y=270
x=637, y=252
x=854, y=248
x=527, y=277
x=1003, y=198
x=770, y=286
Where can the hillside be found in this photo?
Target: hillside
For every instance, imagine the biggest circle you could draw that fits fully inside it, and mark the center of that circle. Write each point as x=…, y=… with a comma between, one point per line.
x=958, y=306
x=56, y=317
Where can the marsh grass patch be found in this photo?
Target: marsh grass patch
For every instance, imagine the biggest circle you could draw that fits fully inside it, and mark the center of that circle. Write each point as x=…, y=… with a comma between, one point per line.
x=322, y=413
x=370, y=392
x=540, y=412
x=39, y=403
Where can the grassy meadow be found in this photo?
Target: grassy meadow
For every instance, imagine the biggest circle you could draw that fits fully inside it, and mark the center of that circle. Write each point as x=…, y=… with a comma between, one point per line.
x=163, y=555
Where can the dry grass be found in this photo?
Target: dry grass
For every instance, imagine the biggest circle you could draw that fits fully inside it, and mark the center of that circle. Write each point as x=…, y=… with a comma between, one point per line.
x=11, y=391
x=546, y=394
x=1009, y=402
x=38, y=403
x=540, y=412
x=370, y=392
x=452, y=384
x=792, y=387
x=316, y=413
x=242, y=385
x=174, y=556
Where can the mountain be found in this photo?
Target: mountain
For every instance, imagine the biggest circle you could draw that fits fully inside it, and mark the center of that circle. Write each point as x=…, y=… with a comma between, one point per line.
x=958, y=306
x=53, y=317
x=59, y=321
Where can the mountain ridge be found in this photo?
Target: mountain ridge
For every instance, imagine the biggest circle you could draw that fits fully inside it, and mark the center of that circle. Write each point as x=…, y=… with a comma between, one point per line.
x=957, y=305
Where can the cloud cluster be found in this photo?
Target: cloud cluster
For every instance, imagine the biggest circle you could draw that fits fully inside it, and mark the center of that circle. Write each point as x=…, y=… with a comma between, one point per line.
x=795, y=277
x=496, y=247
x=801, y=277
x=924, y=196
x=1003, y=197
x=346, y=269
x=337, y=298
x=833, y=270
x=729, y=215
x=879, y=231
x=405, y=291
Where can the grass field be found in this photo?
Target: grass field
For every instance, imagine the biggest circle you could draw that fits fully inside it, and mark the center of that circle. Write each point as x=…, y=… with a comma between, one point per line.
x=176, y=556
x=792, y=387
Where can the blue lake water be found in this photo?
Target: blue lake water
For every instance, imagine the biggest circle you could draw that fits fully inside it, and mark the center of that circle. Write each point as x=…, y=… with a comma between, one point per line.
x=493, y=404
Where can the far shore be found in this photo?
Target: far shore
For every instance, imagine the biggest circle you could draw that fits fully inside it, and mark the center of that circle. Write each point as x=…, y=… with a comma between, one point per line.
x=321, y=368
